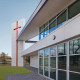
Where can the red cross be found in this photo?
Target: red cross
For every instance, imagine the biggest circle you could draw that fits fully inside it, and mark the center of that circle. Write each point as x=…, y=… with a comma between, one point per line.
x=17, y=28
x=17, y=42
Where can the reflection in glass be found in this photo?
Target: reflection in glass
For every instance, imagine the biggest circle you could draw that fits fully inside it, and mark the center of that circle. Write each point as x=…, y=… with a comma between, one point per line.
x=53, y=51
x=46, y=24
x=62, y=62
x=46, y=71
x=53, y=62
x=61, y=49
x=75, y=63
x=61, y=75
x=46, y=31
x=42, y=27
x=74, y=76
x=71, y=47
x=74, y=46
x=41, y=70
x=61, y=18
x=41, y=53
x=46, y=62
x=52, y=26
x=41, y=35
x=46, y=52
x=74, y=9
x=53, y=74
x=41, y=61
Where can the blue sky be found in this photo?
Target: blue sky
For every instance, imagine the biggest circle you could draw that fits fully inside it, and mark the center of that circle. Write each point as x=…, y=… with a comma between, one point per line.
x=11, y=11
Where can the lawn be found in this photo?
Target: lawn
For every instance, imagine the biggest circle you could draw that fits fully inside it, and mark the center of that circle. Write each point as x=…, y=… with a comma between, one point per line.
x=9, y=70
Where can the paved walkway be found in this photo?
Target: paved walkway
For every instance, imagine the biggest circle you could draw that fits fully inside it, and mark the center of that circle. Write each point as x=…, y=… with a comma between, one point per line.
x=27, y=76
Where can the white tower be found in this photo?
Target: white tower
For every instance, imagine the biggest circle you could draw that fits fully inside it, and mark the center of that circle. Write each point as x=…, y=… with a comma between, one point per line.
x=17, y=45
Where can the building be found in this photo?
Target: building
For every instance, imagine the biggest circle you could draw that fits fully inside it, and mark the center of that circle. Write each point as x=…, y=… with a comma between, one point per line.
x=57, y=53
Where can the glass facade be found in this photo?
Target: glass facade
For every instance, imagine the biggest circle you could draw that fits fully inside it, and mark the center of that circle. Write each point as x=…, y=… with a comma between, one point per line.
x=41, y=53
x=41, y=70
x=75, y=63
x=53, y=74
x=62, y=62
x=52, y=26
x=74, y=9
x=61, y=75
x=74, y=55
x=75, y=46
x=59, y=19
x=53, y=61
x=61, y=49
x=74, y=76
x=48, y=66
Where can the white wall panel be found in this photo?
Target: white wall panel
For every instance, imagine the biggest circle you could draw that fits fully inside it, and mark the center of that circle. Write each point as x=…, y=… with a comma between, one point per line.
x=34, y=61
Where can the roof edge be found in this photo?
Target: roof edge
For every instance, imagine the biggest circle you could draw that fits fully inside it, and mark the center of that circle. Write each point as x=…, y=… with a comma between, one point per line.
x=36, y=11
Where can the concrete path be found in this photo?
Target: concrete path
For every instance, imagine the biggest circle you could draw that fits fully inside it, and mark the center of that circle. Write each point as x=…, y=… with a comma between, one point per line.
x=27, y=76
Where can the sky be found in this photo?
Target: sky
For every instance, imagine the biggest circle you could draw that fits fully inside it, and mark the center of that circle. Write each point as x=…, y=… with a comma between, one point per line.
x=11, y=11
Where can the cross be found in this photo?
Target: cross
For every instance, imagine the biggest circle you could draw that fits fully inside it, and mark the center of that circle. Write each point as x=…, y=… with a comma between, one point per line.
x=17, y=42
x=17, y=28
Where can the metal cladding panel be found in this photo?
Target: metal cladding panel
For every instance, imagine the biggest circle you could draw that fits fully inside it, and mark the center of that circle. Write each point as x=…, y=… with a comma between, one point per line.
x=34, y=61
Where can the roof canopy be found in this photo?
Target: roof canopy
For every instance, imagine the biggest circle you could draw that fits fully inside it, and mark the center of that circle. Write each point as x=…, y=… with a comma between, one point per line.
x=44, y=12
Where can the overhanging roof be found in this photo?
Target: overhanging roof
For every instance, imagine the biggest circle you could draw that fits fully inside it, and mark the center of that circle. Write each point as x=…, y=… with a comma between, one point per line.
x=45, y=11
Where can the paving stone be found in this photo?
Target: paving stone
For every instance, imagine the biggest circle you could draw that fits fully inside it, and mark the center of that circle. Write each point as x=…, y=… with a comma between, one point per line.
x=27, y=76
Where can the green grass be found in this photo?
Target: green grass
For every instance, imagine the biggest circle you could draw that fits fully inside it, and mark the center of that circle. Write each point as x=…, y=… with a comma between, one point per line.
x=9, y=70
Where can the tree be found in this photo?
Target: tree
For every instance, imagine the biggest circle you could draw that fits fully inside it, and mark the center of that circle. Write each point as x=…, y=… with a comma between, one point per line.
x=3, y=57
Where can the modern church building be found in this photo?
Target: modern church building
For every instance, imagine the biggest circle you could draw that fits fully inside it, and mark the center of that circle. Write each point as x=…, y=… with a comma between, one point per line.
x=57, y=53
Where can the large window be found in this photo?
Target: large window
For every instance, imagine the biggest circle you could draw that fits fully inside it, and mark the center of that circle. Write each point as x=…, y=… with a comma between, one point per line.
x=46, y=31
x=75, y=63
x=52, y=26
x=43, y=31
x=74, y=76
x=62, y=61
x=53, y=51
x=62, y=75
x=46, y=71
x=46, y=52
x=75, y=46
x=61, y=18
x=74, y=9
x=41, y=70
x=41, y=35
x=61, y=49
x=74, y=55
x=53, y=74
x=53, y=57
x=46, y=62
x=41, y=53
x=41, y=61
